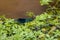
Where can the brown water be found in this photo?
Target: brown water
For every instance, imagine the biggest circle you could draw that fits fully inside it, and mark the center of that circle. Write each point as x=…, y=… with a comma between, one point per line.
x=18, y=8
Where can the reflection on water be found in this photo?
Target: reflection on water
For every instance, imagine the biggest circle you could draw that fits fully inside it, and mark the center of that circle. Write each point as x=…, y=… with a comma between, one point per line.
x=17, y=8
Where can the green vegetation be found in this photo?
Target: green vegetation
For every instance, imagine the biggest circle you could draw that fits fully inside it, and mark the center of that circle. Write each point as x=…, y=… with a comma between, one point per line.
x=44, y=27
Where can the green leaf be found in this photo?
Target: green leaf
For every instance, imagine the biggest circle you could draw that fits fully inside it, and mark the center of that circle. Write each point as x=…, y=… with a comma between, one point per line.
x=45, y=2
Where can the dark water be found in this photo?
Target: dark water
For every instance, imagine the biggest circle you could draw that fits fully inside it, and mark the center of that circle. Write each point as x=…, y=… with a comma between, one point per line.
x=18, y=8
